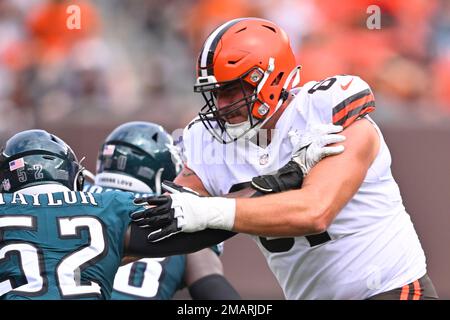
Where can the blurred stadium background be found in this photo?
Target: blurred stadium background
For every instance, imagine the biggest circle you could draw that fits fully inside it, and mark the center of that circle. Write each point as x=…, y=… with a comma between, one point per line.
x=135, y=60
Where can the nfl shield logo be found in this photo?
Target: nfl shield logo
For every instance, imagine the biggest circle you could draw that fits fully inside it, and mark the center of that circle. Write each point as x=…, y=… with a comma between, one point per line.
x=6, y=185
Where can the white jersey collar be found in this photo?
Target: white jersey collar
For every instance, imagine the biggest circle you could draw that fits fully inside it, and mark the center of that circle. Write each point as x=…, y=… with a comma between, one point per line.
x=44, y=188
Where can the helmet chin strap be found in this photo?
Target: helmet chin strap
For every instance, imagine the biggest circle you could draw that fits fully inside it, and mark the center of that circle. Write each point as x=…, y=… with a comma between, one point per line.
x=80, y=171
x=158, y=181
x=270, y=68
x=89, y=175
x=295, y=72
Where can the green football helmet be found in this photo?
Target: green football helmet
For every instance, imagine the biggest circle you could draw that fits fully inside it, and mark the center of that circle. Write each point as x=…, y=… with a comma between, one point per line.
x=36, y=157
x=137, y=156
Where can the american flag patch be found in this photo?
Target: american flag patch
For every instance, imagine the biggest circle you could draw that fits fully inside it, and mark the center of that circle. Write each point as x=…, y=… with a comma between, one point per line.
x=16, y=164
x=108, y=150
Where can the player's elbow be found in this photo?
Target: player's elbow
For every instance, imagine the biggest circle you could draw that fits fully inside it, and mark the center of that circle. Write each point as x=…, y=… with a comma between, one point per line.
x=317, y=217
x=309, y=216
x=318, y=223
x=307, y=222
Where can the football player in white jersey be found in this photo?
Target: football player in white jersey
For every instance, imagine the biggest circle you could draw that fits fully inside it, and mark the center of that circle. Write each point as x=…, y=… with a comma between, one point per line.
x=345, y=234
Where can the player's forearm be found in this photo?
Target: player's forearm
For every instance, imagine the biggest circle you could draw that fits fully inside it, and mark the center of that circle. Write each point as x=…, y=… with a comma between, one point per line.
x=213, y=287
x=199, y=213
x=136, y=244
x=291, y=213
x=204, y=277
x=291, y=218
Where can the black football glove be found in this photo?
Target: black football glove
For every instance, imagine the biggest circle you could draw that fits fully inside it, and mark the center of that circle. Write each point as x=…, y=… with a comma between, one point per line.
x=288, y=177
x=159, y=219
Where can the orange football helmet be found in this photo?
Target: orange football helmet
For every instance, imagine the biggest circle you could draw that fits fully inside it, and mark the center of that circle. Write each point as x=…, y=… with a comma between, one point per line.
x=250, y=50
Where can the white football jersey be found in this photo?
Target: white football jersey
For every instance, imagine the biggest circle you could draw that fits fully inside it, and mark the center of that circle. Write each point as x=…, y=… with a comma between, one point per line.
x=371, y=247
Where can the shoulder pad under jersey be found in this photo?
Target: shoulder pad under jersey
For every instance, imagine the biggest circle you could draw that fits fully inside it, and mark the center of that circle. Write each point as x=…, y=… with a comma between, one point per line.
x=342, y=99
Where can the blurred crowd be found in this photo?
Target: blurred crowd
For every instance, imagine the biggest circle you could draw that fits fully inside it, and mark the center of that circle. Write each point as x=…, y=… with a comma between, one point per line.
x=136, y=59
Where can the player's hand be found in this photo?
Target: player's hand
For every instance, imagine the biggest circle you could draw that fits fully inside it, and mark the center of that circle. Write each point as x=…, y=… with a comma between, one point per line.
x=288, y=177
x=159, y=217
x=169, y=214
x=312, y=146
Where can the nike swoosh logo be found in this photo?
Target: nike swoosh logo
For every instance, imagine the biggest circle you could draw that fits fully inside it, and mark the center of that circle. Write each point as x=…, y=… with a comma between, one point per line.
x=345, y=87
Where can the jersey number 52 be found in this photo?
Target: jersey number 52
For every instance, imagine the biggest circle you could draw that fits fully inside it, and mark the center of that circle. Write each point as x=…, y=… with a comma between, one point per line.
x=31, y=256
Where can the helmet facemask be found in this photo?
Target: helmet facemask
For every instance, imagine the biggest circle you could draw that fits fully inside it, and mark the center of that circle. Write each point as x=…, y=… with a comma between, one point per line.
x=216, y=120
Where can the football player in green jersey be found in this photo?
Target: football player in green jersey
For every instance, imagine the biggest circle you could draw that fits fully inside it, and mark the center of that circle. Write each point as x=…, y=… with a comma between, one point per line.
x=137, y=156
x=57, y=242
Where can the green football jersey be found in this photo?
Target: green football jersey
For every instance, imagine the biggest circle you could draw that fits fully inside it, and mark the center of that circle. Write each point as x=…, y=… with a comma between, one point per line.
x=147, y=278
x=64, y=245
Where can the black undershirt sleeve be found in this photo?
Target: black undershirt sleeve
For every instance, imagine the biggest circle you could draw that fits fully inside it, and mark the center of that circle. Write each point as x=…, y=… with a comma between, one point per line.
x=180, y=243
x=213, y=287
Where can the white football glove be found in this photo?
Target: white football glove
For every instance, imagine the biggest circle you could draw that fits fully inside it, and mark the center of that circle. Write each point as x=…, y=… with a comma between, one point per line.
x=311, y=146
x=166, y=215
